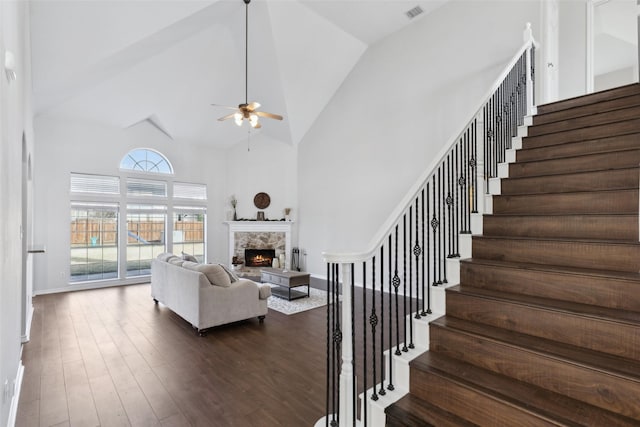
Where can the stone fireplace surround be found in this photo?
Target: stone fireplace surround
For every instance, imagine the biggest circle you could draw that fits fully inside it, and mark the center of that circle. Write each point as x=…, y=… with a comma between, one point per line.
x=259, y=235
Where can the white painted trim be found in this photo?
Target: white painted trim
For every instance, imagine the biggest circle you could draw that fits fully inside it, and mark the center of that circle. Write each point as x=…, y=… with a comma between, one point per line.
x=13, y=410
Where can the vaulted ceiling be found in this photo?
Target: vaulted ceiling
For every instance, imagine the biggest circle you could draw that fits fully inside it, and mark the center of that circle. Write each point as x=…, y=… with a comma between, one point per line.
x=120, y=62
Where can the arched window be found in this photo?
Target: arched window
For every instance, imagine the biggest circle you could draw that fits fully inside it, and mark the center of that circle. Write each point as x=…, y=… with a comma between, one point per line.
x=146, y=160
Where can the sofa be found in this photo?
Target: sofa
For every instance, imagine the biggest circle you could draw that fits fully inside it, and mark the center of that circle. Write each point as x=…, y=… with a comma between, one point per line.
x=206, y=295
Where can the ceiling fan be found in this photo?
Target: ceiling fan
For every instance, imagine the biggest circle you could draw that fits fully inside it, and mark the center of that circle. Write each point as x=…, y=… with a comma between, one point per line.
x=247, y=110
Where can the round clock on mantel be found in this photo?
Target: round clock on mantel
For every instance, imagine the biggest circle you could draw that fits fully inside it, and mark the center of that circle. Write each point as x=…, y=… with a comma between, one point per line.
x=262, y=200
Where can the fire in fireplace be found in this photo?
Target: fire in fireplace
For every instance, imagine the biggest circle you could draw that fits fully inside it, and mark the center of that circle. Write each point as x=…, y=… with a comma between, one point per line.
x=259, y=257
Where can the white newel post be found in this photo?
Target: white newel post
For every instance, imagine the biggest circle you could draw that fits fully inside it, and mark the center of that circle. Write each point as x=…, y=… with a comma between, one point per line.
x=347, y=405
x=528, y=38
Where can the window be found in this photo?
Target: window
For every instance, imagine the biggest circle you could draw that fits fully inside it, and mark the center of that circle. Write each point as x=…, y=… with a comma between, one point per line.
x=145, y=237
x=105, y=247
x=146, y=160
x=189, y=231
x=94, y=241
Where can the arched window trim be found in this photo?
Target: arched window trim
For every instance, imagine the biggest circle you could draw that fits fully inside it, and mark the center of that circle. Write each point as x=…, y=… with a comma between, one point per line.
x=146, y=170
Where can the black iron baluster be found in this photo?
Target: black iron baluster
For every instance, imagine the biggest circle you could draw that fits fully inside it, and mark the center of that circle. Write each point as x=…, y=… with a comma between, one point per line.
x=408, y=248
x=449, y=202
x=404, y=282
x=468, y=181
x=456, y=201
x=396, y=284
x=495, y=134
x=462, y=183
x=354, y=391
x=417, y=251
x=474, y=164
x=382, y=391
x=364, y=341
x=443, y=228
x=390, y=387
x=373, y=321
x=434, y=226
x=425, y=256
x=329, y=347
x=337, y=336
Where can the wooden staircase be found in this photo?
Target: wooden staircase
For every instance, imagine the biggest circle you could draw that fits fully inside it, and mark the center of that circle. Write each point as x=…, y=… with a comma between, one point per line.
x=544, y=328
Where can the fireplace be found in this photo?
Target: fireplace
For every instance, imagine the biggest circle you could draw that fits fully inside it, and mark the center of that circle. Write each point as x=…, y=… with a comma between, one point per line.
x=259, y=257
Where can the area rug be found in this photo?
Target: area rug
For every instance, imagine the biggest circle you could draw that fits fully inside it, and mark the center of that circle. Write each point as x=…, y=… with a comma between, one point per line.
x=317, y=298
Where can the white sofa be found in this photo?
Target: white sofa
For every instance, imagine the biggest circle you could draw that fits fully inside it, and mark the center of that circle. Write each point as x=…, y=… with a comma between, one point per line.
x=206, y=295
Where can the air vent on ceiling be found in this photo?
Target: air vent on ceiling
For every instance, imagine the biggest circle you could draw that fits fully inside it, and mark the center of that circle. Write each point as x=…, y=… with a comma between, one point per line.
x=414, y=12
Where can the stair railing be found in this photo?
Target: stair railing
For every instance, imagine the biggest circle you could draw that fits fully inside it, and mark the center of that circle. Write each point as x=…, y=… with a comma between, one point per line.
x=408, y=257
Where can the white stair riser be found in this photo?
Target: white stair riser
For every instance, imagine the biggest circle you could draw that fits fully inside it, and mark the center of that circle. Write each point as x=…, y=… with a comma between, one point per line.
x=495, y=186
x=503, y=170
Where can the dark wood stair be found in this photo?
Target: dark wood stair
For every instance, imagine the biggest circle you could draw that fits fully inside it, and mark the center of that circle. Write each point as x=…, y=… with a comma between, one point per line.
x=544, y=327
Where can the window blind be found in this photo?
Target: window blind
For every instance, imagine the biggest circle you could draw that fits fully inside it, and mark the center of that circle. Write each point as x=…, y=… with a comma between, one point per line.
x=97, y=184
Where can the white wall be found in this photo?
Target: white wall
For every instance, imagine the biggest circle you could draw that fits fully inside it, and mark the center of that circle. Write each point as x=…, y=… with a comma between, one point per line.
x=66, y=145
x=262, y=165
x=408, y=95
x=15, y=120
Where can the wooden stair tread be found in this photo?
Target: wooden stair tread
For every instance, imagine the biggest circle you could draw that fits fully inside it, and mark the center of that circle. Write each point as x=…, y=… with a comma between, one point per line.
x=584, y=310
x=411, y=411
x=573, y=182
x=601, y=201
x=560, y=239
x=529, y=398
x=620, y=275
x=620, y=128
x=585, y=122
x=606, y=363
x=591, y=98
x=569, y=149
x=592, y=162
x=627, y=100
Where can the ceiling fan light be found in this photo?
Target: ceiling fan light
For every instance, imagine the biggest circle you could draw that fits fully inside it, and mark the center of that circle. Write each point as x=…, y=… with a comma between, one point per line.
x=238, y=118
x=253, y=120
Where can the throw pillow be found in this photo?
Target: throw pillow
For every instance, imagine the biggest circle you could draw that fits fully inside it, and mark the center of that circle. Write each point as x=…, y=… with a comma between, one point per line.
x=176, y=261
x=189, y=257
x=164, y=256
x=216, y=274
x=232, y=276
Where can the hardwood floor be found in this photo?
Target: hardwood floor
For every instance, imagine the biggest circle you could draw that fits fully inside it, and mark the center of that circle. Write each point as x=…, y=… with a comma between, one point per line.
x=110, y=357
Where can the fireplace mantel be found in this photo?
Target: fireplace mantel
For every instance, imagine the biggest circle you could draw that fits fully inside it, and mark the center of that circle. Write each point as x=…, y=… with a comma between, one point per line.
x=260, y=227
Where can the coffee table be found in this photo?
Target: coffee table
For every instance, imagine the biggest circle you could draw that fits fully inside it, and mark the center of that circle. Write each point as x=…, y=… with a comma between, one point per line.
x=286, y=281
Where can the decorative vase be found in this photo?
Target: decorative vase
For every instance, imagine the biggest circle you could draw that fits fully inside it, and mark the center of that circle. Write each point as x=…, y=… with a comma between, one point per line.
x=275, y=263
x=235, y=216
x=282, y=261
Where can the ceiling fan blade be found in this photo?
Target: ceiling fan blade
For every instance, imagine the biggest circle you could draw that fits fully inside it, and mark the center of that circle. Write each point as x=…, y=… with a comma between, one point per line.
x=225, y=106
x=253, y=105
x=227, y=117
x=268, y=115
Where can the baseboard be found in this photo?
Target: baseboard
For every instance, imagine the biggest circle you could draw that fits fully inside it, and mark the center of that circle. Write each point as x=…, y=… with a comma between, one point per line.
x=27, y=333
x=92, y=285
x=13, y=410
